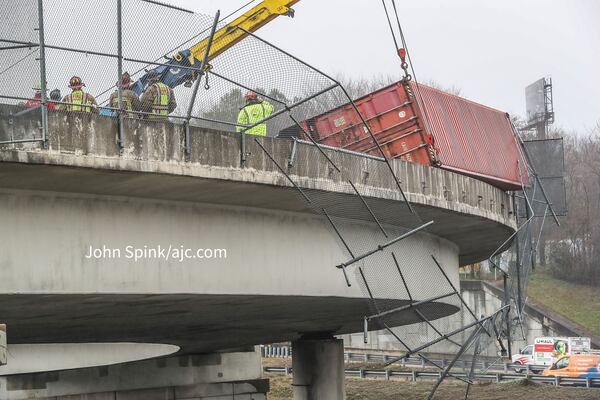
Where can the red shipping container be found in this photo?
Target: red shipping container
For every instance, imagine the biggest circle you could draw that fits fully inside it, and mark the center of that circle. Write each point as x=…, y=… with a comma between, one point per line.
x=427, y=126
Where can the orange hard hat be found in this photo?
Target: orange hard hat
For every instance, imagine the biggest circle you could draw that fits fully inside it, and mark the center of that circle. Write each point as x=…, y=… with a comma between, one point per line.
x=251, y=95
x=76, y=83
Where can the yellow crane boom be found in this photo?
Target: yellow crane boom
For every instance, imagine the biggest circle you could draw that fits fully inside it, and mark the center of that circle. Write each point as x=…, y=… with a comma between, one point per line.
x=229, y=35
x=175, y=73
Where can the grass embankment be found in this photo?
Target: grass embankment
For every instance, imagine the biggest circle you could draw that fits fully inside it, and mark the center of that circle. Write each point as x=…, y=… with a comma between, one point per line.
x=579, y=303
x=373, y=389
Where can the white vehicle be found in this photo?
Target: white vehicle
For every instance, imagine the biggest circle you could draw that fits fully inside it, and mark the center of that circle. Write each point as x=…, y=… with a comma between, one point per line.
x=524, y=357
x=546, y=350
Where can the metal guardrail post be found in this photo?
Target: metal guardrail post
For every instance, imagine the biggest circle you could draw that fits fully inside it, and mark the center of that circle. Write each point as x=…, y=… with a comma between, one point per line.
x=43, y=87
x=121, y=135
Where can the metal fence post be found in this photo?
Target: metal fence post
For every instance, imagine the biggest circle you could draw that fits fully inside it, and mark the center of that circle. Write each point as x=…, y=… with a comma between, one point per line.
x=243, y=147
x=42, y=47
x=120, y=72
x=199, y=74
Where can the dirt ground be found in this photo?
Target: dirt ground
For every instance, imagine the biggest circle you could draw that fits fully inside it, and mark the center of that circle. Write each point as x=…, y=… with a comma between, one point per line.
x=372, y=389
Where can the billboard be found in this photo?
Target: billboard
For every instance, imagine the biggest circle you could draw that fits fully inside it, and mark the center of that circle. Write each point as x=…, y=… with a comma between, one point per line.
x=535, y=104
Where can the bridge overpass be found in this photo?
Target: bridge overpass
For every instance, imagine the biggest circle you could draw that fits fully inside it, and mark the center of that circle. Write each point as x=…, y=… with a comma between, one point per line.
x=276, y=282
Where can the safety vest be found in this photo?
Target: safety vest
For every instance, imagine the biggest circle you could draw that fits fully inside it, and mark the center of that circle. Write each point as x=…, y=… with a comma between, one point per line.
x=126, y=101
x=253, y=113
x=160, y=105
x=78, y=98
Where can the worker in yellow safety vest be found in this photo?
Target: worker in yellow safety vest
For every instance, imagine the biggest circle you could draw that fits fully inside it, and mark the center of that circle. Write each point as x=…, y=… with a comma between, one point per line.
x=131, y=101
x=158, y=99
x=78, y=100
x=254, y=111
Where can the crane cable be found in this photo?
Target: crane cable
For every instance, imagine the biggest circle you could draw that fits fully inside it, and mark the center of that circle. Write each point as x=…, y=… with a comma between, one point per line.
x=405, y=65
x=396, y=47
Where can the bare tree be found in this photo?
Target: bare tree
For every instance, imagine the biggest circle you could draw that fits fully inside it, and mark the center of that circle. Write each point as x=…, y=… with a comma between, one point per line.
x=575, y=255
x=452, y=89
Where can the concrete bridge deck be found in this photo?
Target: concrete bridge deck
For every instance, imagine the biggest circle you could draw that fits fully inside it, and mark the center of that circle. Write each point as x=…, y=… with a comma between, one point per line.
x=278, y=280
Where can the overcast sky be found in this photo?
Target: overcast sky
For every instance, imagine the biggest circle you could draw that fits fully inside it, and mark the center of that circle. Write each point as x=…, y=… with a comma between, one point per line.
x=490, y=50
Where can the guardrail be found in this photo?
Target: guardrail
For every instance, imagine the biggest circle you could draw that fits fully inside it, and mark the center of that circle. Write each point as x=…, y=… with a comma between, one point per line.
x=414, y=375
x=286, y=352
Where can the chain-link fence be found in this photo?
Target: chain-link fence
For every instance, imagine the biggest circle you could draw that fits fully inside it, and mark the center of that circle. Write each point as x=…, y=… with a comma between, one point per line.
x=408, y=281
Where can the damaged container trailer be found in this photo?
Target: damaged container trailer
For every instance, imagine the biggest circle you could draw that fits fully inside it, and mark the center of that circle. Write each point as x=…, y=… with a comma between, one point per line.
x=421, y=124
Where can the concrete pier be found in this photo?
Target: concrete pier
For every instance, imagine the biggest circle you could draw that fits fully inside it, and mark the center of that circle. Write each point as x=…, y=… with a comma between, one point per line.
x=318, y=369
x=223, y=376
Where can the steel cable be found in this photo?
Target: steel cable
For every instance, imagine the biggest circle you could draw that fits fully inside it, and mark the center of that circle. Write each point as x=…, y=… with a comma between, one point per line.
x=405, y=47
x=18, y=61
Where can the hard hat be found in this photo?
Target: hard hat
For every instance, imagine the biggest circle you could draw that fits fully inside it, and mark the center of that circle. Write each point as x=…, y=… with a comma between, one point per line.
x=76, y=83
x=37, y=87
x=251, y=95
x=55, y=95
x=126, y=80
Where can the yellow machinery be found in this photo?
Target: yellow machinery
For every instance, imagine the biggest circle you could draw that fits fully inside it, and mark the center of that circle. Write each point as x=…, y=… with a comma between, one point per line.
x=172, y=73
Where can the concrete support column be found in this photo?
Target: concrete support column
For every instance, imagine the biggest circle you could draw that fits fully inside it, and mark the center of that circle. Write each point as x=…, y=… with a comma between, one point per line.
x=318, y=369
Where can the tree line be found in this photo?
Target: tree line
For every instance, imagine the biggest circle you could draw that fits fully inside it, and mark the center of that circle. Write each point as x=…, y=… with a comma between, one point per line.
x=574, y=247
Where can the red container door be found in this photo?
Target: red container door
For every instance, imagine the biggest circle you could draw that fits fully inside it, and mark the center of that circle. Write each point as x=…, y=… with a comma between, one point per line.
x=473, y=139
